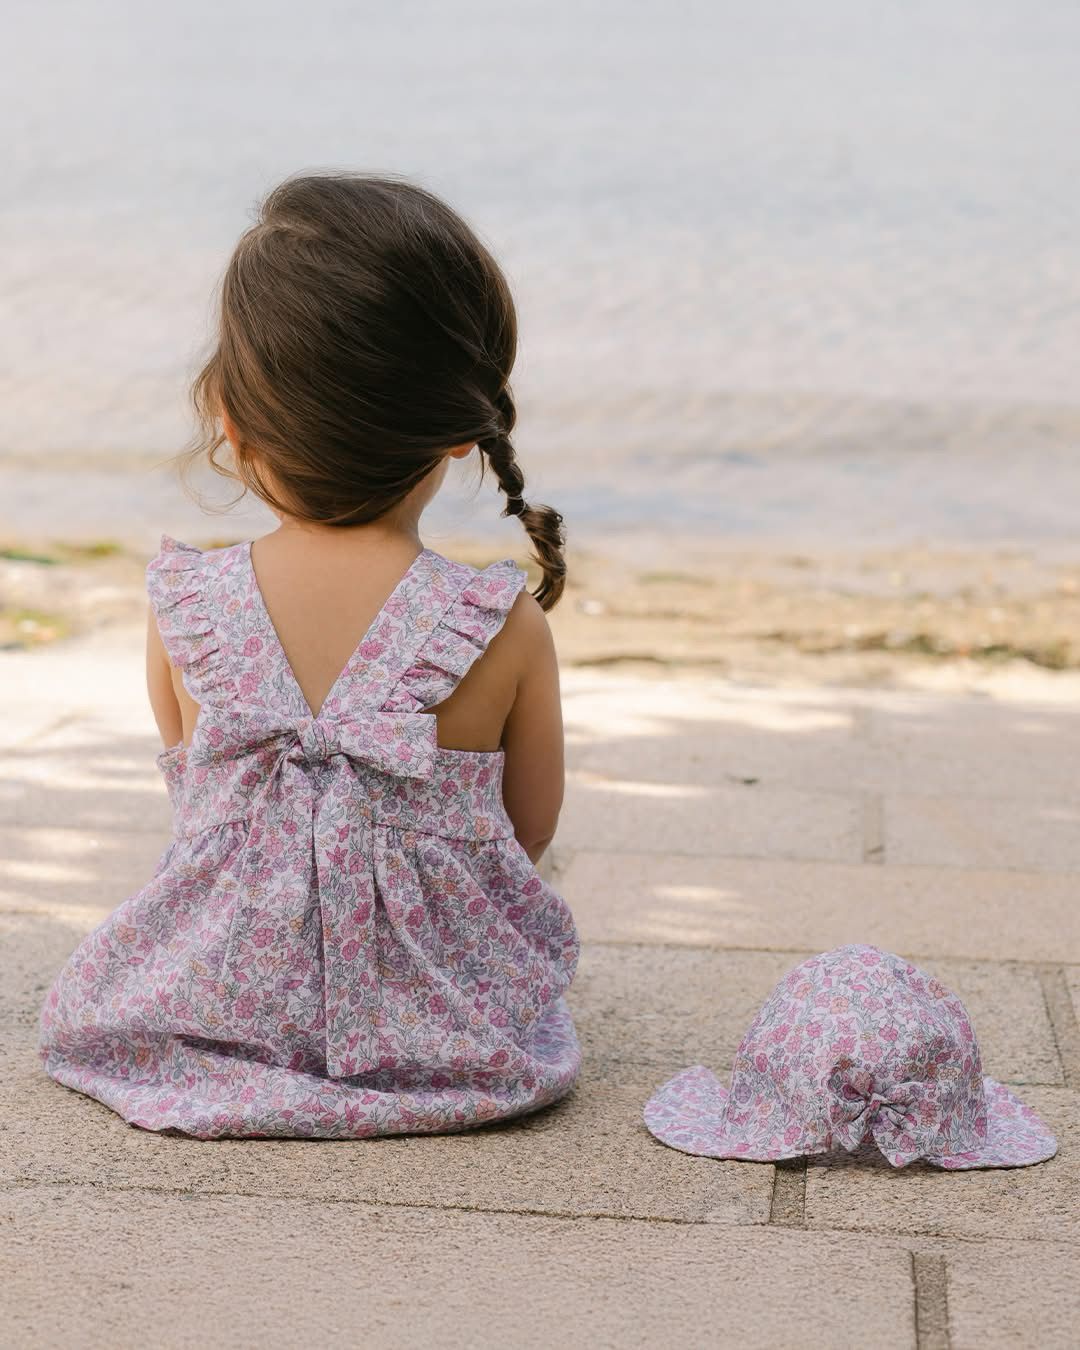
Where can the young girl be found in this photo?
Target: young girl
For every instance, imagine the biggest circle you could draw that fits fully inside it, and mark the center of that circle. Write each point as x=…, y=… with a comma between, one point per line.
x=347, y=935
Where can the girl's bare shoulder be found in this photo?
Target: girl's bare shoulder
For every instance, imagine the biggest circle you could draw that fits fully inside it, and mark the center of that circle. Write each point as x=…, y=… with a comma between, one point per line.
x=526, y=634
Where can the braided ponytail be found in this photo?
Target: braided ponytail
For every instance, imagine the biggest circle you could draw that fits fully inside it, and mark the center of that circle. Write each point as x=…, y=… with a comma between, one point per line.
x=364, y=329
x=543, y=524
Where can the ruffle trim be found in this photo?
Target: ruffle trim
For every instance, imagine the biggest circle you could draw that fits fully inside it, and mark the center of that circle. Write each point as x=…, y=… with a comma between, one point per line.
x=460, y=638
x=176, y=585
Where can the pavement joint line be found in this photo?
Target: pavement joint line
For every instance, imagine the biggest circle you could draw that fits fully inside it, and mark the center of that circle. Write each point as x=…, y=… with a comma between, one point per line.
x=1064, y=1028
x=930, y=1279
x=873, y=829
x=788, y=1206
x=30, y=1183
x=577, y=851
x=906, y=1240
x=911, y=1238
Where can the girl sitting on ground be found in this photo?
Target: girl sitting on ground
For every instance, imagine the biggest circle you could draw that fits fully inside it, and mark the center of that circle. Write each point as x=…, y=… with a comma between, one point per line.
x=347, y=935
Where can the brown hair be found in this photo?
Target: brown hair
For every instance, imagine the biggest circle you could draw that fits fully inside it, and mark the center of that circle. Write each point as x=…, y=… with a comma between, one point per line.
x=365, y=330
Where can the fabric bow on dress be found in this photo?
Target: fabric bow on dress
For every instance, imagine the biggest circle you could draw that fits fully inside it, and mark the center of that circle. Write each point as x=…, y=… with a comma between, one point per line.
x=402, y=744
x=322, y=762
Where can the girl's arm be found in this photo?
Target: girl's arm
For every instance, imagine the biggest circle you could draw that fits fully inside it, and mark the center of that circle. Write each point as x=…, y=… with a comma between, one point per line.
x=532, y=741
x=159, y=685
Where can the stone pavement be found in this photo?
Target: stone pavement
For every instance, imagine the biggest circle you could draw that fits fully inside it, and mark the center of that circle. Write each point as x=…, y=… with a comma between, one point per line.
x=713, y=836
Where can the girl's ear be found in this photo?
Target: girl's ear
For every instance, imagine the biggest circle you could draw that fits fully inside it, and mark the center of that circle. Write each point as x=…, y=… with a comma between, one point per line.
x=460, y=451
x=229, y=430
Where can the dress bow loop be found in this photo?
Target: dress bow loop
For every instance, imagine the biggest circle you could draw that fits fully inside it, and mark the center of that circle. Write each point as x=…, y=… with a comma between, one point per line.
x=396, y=743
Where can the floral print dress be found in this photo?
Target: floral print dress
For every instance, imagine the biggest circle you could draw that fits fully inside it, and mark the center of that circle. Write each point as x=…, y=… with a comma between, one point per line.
x=344, y=938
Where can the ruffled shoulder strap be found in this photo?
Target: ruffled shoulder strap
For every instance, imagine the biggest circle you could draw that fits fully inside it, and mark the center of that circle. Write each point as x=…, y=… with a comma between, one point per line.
x=473, y=606
x=179, y=581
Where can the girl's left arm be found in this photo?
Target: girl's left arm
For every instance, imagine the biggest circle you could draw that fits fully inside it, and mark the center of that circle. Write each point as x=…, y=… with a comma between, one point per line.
x=159, y=685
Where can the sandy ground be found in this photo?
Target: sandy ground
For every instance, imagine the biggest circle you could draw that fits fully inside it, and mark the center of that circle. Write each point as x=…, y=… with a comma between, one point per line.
x=755, y=774
x=908, y=617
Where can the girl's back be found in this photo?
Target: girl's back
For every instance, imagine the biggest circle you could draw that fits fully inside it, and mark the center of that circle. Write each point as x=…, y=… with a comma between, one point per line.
x=321, y=590
x=347, y=935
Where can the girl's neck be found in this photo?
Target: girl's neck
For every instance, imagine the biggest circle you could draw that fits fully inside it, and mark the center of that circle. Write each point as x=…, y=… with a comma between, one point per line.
x=398, y=525
x=383, y=530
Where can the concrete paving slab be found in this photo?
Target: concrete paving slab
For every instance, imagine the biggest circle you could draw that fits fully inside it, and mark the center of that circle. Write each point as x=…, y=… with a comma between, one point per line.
x=1072, y=980
x=1061, y=1010
x=737, y=902
x=111, y=681
x=668, y=853
x=706, y=732
x=975, y=749
x=87, y=801
x=985, y=833
x=1040, y=1203
x=607, y=812
x=86, y=771
x=80, y=873
x=587, y=1155
x=667, y=1008
x=1013, y=1294
x=25, y=721
x=33, y=947
x=302, y=1272
x=1009, y=1014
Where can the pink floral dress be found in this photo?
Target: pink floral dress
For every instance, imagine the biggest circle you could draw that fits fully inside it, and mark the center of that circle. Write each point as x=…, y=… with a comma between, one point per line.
x=343, y=938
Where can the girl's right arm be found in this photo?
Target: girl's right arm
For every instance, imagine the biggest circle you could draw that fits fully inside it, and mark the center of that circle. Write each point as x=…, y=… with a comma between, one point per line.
x=532, y=741
x=159, y=685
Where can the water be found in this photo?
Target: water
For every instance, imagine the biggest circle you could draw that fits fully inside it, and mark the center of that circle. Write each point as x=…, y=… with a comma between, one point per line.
x=783, y=270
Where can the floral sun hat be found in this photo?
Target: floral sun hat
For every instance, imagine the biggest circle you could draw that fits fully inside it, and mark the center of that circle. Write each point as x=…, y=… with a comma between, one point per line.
x=852, y=1045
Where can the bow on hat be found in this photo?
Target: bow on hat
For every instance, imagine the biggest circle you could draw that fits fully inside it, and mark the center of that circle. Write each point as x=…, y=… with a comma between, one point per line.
x=397, y=745
x=903, y=1119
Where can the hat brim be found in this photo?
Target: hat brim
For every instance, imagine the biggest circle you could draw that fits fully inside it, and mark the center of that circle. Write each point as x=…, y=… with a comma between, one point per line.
x=1015, y=1136
x=688, y=1113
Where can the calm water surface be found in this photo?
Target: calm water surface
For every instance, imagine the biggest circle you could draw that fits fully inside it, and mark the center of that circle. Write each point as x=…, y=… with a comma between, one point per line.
x=784, y=269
